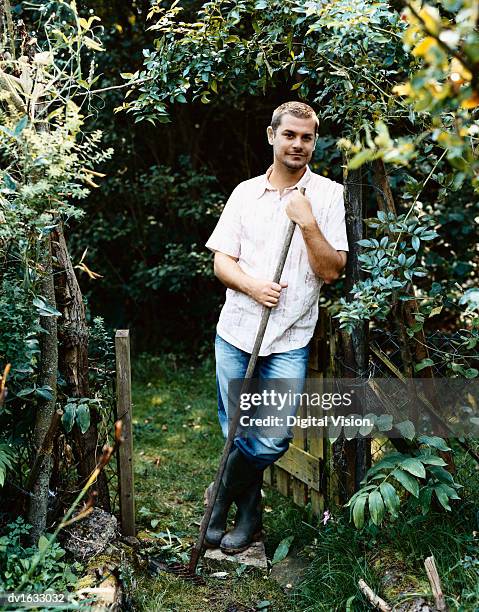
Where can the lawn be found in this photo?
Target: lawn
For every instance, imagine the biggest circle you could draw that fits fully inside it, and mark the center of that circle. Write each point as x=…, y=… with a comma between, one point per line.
x=177, y=448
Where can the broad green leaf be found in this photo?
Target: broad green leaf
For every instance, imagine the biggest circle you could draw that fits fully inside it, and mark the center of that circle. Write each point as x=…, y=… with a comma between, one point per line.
x=441, y=474
x=431, y=460
x=414, y=466
x=358, y=511
x=391, y=498
x=68, y=417
x=407, y=481
x=83, y=417
x=44, y=308
x=425, y=495
x=44, y=392
x=25, y=392
x=384, y=422
x=406, y=428
x=435, y=442
x=282, y=550
x=376, y=507
x=442, y=496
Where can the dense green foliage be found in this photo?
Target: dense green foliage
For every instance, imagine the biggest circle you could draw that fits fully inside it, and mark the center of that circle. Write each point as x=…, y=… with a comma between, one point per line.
x=132, y=123
x=16, y=559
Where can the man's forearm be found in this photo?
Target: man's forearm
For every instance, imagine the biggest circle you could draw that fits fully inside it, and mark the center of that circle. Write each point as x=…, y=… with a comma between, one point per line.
x=228, y=271
x=326, y=262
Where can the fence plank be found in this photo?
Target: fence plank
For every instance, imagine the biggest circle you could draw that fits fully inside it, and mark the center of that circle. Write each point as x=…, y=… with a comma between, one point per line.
x=125, y=452
x=268, y=475
x=282, y=479
x=301, y=465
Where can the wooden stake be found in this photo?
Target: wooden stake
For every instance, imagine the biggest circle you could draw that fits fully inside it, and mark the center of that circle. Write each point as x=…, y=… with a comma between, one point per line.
x=435, y=583
x=376, y=601
x=125, y=452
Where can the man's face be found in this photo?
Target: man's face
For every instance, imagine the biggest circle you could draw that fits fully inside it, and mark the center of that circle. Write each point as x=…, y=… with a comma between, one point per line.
x=294, y=141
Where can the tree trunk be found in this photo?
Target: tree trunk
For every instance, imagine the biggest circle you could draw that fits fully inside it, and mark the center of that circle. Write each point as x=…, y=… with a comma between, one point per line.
x=354, y=346
x=73, y=352
x=37, y=515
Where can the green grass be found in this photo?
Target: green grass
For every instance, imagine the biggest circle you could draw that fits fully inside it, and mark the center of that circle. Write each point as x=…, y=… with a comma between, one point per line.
x=177, y=448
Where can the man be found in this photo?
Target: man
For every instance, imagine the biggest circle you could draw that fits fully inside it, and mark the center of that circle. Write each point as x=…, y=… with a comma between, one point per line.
x=246, y=242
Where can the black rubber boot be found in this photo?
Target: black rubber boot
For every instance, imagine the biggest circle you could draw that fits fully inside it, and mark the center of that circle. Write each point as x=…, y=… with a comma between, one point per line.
x=248, y=521
x=238, y=476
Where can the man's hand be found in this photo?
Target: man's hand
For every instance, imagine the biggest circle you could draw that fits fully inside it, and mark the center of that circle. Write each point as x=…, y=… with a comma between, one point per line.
x=299, y=210
x=265, y=292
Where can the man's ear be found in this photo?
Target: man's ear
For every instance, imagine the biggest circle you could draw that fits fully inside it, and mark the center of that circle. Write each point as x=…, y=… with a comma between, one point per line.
x=270, y=133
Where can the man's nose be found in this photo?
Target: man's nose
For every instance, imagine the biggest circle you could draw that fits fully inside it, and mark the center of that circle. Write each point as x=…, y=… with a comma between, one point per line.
x=297, y=144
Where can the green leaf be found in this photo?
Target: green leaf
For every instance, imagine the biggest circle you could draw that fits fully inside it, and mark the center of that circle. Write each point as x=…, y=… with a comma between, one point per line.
x=376, y=507
x=441, y=474
x=42, y=543
x=407, y=481
x=425, y=495
x=83, y=417
x=25, y=392
x=263, y=605
x=282, y=551
x=431, y=460
x=471, y=373
x=21, y=125
x=44, y=309
x=391, y=498
x=406, y=428
x=414, y=467
x=435, y=442
x=416, y=243
x=68, y=417
x=358, y=511
x=425, y=363
x=44, y=392
x=442, y=496
x=384, y=422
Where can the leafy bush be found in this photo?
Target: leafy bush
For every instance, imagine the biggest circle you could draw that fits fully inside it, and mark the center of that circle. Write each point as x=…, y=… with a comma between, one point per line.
x=420, y=475
x=16, y=559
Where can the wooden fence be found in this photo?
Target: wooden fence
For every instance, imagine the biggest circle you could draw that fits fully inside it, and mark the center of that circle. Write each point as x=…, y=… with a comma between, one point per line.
x=303, y=473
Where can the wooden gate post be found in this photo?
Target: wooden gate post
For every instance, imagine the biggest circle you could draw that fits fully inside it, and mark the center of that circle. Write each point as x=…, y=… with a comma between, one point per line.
x=125, y=451
x=356, y=454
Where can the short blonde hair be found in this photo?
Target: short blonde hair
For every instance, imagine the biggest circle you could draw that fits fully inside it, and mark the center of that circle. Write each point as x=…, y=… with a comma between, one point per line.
x=297, y=109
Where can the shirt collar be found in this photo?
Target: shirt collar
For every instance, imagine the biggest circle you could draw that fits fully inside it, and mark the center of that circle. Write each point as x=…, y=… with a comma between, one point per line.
x=265, y=185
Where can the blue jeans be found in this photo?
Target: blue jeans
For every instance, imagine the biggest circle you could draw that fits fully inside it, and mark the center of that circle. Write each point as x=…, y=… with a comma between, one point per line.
x=231, y=363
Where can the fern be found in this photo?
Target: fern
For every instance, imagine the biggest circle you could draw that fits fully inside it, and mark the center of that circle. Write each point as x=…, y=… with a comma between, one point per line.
x=6, y=461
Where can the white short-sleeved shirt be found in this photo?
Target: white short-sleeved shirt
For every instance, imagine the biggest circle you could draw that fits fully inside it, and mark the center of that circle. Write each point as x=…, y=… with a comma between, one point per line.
x=252, y=228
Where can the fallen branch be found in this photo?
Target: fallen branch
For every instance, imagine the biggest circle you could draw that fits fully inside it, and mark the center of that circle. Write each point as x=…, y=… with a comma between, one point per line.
x=435, y=583
x=376, y=601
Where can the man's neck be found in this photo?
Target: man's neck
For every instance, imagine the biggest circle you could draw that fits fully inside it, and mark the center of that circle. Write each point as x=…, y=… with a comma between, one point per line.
x=282, y=177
